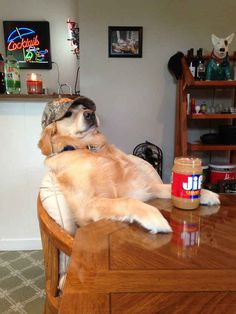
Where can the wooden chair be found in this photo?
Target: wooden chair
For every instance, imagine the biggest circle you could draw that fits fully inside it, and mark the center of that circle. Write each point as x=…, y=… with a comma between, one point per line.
x=54, y=239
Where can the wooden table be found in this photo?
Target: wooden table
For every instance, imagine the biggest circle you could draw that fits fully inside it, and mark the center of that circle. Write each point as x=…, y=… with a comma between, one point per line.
x=119, y=268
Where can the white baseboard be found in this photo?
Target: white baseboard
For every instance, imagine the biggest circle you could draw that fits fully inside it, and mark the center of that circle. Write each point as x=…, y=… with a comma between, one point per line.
x=20, y=244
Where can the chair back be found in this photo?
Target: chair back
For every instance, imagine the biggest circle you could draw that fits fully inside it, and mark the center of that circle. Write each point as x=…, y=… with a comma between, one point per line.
x=54, y=240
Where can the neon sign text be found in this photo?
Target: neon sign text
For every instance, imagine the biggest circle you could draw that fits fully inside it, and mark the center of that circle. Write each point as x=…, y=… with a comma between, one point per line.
x=24, y=43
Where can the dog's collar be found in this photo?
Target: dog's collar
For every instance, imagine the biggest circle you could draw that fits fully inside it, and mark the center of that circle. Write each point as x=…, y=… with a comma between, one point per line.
x=218, y=60
x=93, y=148
x=68, y=148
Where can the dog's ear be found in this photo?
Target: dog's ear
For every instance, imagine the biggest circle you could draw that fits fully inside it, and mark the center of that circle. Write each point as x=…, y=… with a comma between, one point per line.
x=214, y=39
x=230, y=38
x=45, y=142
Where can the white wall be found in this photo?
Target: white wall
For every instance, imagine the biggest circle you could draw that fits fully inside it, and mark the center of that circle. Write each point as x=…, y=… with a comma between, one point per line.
x=21, y=172
x=21, y=162
x=136, y=97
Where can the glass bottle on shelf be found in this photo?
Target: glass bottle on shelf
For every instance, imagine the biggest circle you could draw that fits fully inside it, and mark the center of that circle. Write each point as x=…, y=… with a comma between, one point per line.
x=211, y=109
x=193, y=105
x=218, y=108
x=2, y=76
x=191, y=60
x=203, y=108
x=200, y=69
x=12, y=75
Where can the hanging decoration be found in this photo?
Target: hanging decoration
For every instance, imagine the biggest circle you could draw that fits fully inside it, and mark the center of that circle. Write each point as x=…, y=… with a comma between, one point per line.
x=73, y=36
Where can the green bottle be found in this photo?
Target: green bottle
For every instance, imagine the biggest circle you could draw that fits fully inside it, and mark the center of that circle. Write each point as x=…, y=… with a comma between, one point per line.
x=12, y=75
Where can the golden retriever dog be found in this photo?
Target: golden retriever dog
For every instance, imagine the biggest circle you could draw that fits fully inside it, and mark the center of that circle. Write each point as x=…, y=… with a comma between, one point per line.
x=97, y=179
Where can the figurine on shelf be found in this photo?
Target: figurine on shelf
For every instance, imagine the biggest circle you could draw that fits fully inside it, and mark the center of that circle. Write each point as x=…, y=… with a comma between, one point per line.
x=218, y=68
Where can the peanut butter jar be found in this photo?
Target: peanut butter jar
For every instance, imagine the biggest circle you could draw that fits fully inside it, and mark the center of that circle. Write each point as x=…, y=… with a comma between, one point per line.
x=186, y=182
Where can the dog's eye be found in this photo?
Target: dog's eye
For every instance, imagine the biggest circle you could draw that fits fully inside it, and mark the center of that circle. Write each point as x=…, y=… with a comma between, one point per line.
x=68, y=114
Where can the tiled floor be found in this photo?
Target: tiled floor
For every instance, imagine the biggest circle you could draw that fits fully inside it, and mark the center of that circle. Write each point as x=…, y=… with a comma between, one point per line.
x=21, y=282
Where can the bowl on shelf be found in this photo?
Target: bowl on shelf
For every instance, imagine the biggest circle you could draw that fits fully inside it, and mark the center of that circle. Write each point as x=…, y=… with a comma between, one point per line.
x=211, y=139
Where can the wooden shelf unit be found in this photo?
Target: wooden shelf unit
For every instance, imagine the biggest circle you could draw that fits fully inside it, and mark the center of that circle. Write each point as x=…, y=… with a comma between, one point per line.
x=182, y=147
x=194, y=147
x=208, y=116
x=218, y=84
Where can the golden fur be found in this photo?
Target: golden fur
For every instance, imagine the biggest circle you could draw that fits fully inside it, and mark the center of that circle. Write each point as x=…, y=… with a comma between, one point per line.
x=103, y=182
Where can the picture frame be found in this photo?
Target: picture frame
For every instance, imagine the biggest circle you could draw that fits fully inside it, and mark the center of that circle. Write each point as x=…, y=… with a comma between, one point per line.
x=29, y=43
x=125, y=41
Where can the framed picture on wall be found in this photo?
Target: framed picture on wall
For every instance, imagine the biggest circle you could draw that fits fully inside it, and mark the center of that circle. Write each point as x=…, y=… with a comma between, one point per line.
x=29, y=42
x=125, y=41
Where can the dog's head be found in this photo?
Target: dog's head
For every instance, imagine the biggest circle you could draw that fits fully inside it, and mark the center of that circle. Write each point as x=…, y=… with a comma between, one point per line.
x=68, y=122
x=221, y=45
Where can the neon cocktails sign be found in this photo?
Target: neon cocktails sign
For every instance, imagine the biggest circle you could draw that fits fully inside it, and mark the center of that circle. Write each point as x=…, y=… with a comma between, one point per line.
x=29, y=42
x=18, y=40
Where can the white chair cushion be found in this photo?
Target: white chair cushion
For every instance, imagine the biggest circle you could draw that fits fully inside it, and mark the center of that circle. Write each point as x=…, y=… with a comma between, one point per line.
x=54, y=203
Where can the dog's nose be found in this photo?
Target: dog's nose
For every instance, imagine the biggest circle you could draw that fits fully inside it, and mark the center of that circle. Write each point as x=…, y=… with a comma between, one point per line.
x=222, y=49
x=89, y=115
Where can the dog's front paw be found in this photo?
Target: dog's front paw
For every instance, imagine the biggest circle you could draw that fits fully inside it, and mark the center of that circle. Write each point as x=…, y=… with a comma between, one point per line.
x=209, y=198
x=154, y=221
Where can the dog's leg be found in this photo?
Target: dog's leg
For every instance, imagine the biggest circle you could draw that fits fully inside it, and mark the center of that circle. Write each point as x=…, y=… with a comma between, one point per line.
x=207, y=197
x=161, y=190
x=122, y=209
x=149, y=185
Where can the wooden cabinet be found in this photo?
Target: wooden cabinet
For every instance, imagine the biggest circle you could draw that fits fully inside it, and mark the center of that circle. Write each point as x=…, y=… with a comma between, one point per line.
x=182, y=146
